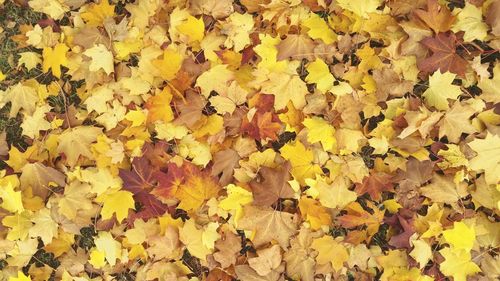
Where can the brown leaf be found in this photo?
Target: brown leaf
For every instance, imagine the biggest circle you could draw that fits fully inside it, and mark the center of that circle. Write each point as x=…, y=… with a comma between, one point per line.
x=296, y=47
x=389, y=84
x=444, y=56
x=492, y=17
x=190, y=109
x=228, y=248
x=437, y=17
x=225, y=161
x=218, y=274
x=90, y=36
x=39, y=177
x=268, y=225
x=417, y=172
x=272, y=185
x=374, y=185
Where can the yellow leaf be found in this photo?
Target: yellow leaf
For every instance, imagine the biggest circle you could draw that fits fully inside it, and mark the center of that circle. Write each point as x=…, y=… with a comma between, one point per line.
x=334, y=195
x=237, y=197
x=61, y=244
x=470, y=20
x=268, y=53
x=191, y=236
x=440, y=90
x=457, y=264
x=461, y=236
x=369, y=60
x=319, y=29
x=319, y=130
x=314, y=213
x=330, y=251
x=97, y=258
x=75, y=142
x=21, y=96
x=487, y=158
x=301, y=160
x=20, y=277
x=19, y=224
x=193, y=193
x=169, y=64
x=159, y=106
x=360, y=7
x=213, y=125
x=319, y=73
x=101, y=58
x=11, y=200
x=95, y=14
x=111, y=248
x=44, y=226
x=193, y=28
x=54, y=58
x=137, y=117
x=29, y=59
x=237, y=27
x=199, y=152
x=116, y=202
x=421, y=252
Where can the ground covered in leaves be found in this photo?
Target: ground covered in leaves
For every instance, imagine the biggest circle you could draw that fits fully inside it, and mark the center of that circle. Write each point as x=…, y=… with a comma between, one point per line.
x=249, y=140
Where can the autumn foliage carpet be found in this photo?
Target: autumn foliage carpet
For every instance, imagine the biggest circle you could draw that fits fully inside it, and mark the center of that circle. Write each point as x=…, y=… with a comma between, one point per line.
x=253, y=140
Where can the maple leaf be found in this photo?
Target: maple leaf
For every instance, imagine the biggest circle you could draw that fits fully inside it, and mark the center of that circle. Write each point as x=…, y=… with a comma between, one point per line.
x=301, y=160
x=40, y=178
x=441, y=90
x=271, y=185
x=75, y=142
x=314, y=213
x=444, y=56
x=11, y=200
x=437, y=17
x=140, y=180
x=268, y=225
x=158, y=106
x=168, y=183
x=404, y=221
x=319, y=29
x=330, y=251
x=225, y=161
x=267, y=260
x=116, y=202
x=54, y=58
x=319, y=73
x=295, y=46
x=97, y=13
x=457, y=264
x=21, y=97
x=140, y=177
x=488, y=157
x=101, y=58
x=169, y=64
x=262, y=126
x=470, y=20
x=461, y=236
x=228, y=248
x=456, y=122
x=196, y=188
x=374, y=185
x=357, y=216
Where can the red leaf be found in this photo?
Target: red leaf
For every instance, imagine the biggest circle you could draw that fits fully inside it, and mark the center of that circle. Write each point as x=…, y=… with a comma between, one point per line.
x=444, y=56
x=374, y=185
